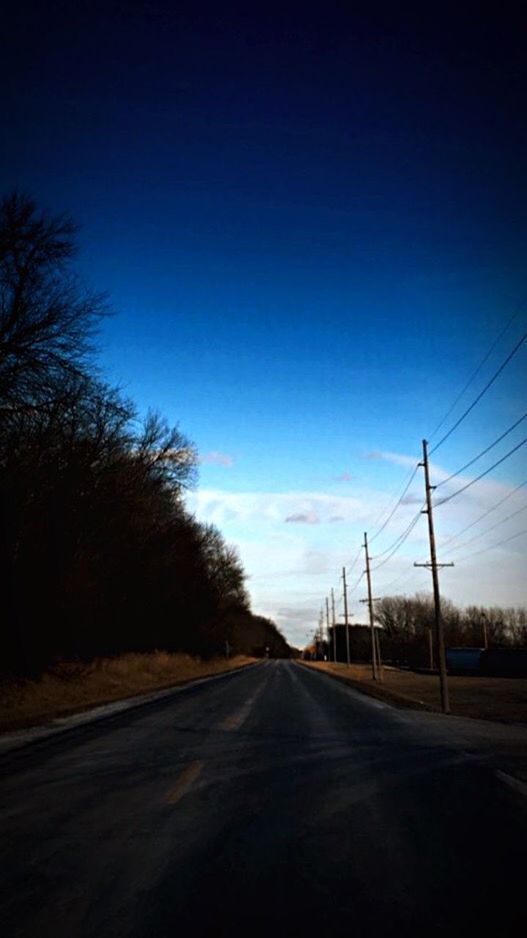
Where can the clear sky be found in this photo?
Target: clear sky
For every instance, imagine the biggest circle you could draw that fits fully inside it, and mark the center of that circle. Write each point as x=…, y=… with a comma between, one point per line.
x=312, y=229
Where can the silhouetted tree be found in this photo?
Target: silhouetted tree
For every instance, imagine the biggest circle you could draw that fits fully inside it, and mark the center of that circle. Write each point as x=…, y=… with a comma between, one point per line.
x=46, y=318
x=406, y=620
x=98, y=552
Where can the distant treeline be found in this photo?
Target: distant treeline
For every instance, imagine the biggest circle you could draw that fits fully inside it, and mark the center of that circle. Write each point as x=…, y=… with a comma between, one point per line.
x=98, y=552
x=404, y=624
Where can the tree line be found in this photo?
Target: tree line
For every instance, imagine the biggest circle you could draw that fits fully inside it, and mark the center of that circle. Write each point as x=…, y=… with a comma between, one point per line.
x=405, y=624
x=98, y=552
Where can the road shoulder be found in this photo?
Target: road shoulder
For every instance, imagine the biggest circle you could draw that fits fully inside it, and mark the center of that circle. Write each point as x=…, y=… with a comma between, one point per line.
x=53, y=726
x=480, y=697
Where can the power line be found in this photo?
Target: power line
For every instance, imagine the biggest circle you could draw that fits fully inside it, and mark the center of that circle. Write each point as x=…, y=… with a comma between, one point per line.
x=478, y=369
x=403, y=537
x=394, y=509
x=454, y=474
x=354, y=564
x=386, y=507
x=448, y=498
x=484, y=515
x=397, y=579
x=492, y=527
x=481, y=393
x=499, y=544
x=404, y=576
x=353, y=588
x=400, y=540
x=388, y=549
x=483, y=452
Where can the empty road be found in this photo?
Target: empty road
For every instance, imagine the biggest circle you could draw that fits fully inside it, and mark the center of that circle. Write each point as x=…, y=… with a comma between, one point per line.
x=273, y=801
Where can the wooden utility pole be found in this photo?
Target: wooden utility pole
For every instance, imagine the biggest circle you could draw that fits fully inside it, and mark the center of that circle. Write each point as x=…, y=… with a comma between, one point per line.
x=430, y=649
x=380, y=668
x=485, y=634
x=375, y=673
x=334, y=625
x=434, y=566
x=327, y=629
x=346, y=620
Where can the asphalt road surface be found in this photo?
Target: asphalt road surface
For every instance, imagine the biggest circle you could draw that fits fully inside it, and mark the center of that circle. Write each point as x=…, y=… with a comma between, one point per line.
x=274, y=801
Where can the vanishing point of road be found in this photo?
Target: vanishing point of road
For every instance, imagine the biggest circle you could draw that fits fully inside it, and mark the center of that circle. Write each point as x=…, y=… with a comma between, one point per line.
x=271, y=801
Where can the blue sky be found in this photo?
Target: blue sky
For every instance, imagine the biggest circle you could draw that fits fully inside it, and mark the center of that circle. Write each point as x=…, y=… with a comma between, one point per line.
x=311, y=228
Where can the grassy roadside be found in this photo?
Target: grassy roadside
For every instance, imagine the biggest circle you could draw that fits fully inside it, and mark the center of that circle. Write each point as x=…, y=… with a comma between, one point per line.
x=485, y=698
x=73, y=687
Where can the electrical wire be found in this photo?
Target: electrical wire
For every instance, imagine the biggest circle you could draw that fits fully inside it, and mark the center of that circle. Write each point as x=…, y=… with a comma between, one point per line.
x=388, y=549
x=394, y=509
x=404, y=576
x=402, y=539
x=483, y=452
x=387, y=506
x=395, y=546
x=487, y=530
x=484, y=515
x=396, y=580
x=481, y=393
x=354, y=564
x=354, y=587
x=478, y=369
x=499, y=544
x=448, y=498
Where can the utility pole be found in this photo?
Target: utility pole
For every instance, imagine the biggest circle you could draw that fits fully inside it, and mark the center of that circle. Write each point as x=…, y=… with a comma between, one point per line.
x=376, y=668
x=430, y=649
x=378, y=647
x=327, y=627
x=333, y=623
x=485, y=635
x=346, y=621
x=434, y=566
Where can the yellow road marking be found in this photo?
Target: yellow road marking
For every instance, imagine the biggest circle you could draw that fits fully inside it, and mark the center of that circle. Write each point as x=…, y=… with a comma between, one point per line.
x=235, y=720
x=184, y=782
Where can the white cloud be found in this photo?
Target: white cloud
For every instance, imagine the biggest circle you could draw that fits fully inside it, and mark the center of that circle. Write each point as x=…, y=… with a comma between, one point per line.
x=214, y=505
x=215, y=458
x=292, y=613
x=398, y=459
x=293, y=566
x=315, y=561
x=413, y=500
x=308, y=517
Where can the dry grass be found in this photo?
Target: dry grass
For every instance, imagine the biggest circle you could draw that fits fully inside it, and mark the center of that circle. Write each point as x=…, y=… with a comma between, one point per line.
x=71, y=688
x=487, y=698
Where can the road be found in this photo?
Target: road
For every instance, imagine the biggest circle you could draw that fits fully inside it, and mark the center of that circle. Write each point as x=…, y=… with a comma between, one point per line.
x=274, y=801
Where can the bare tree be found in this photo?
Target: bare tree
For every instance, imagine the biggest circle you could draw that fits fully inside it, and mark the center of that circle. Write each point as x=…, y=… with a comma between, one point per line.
x=47, y=320
x=97, y=551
